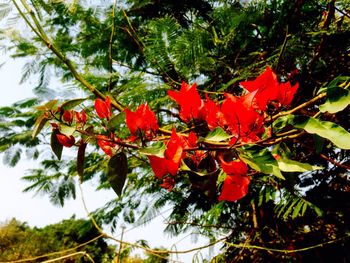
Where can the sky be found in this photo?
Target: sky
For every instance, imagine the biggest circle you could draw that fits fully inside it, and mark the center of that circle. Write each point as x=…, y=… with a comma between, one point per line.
x=37, y=210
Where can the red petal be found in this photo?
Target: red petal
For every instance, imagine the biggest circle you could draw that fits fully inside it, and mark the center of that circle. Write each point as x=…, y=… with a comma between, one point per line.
x=263, y=81
x=235, y=187
x=189, y=101
x=101, y=109
x=158, y=165
x=106, y=145
x=68, y=116
x=174, y=149
x=286, y=93
x=130, y=119
x=192, y=139
x=168, y=183
x=65, y=140
x=237, y=167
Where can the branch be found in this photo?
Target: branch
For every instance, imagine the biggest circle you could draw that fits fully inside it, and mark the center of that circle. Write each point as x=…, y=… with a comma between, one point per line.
x=334, y=162
x=287, y=251
x=299, y=107
x=83, y=253
x=44, y=38
x=110, y=59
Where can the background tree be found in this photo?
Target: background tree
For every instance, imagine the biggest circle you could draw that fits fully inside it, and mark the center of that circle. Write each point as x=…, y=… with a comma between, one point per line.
x=138, y=50
x=19, y=241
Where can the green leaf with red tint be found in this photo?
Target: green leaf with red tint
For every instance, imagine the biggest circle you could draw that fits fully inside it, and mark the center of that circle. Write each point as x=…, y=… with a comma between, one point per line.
x=117, y=172
x=56, y=146
x=81, y=160
x=39, y=124
x=70, y=104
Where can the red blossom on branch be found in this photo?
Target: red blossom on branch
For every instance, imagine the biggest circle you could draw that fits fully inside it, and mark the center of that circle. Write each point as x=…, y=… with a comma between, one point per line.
x=106, y=144
x=269, y=89
x=236, y=182
x=189, y=101
x=169, y=164
x=143, y=119
x=81, y=116
x=103, y=108
x=68, y=116
x=67, y=141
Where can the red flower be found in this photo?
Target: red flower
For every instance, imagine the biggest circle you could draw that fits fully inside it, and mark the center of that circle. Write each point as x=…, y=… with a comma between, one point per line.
x=142, y=119
x=192, y=139
x=189, y=101
x=236, y=183
x=240, y=118
x=169, y=164
x=168, y=183
x=286, y=93
x=106, y=144
x=235, y=187
x=81, y=116
x=269, y=89
x=103, y=108
x=234, y=167
x=68, y=116
x=65, y=140
x=212, y=114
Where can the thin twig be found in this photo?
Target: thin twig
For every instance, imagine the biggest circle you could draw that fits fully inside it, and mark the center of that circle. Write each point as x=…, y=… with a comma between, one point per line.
x=287, y=251
x=83, y=253
x=334, y=162
x=301, y=106
x=110, y=57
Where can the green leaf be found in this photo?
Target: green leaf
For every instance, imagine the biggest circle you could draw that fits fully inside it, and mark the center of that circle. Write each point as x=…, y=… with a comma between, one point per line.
x=334, y=83
x=297, y=209
x=117, y=171
x=80, y=160
x=48, y=105
x=156, y=149
x=287, y=165
x=217, y=135
x=329, y=130
x=39, y=124
x=55, y=144
x=260, y=159
x=70, y=104
x=337, y=100
x=67, y=130
x=184, y=167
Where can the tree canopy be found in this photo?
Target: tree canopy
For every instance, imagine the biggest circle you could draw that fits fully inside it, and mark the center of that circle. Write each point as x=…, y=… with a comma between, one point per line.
x=233, y=113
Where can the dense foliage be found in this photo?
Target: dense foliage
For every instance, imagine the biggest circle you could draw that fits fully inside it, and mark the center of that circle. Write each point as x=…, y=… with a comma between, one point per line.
x=19, y=241
x=287, y=162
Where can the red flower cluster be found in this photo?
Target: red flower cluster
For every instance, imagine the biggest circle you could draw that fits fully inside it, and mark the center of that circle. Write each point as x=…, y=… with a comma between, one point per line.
x=174, y=153
x=169, y=164
x=143, y=119
x=240, y=116
x=243, y=116
x=269, y=89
